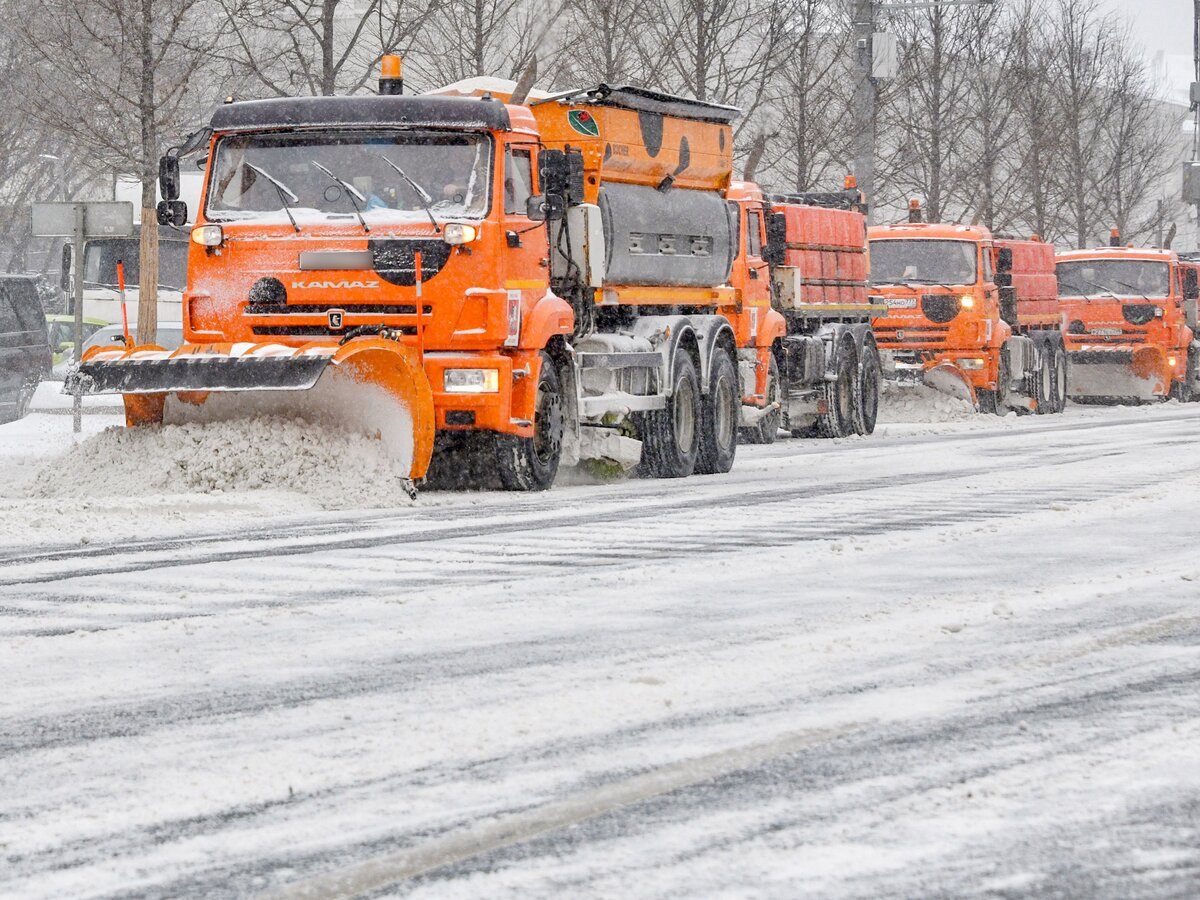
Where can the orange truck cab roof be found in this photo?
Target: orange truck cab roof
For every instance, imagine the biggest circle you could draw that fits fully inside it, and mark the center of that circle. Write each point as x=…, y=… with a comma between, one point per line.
x=1149, y=254
x=930, y=231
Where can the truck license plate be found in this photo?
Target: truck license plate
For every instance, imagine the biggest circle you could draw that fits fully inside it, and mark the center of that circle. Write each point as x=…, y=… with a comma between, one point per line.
x=902, y=302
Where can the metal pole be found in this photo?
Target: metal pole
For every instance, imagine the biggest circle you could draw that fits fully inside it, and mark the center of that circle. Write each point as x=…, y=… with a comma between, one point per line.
x=77, y=256
x=864, y=102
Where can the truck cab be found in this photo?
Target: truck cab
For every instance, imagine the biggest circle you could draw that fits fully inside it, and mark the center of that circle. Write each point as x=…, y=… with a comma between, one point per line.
x=1130, y=316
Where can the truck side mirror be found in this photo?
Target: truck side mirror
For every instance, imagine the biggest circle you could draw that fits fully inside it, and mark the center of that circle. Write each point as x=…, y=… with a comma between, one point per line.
x=172, y=212
x=1004, y=260
x=1191, y=284
x=776, y=239
x=536, y=208
x=168, y=177
x=65, y=277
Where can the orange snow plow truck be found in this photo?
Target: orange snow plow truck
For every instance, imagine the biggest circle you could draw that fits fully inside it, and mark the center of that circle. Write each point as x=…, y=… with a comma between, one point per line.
x=527, y=284
x=1130, y=318
x=970, y=314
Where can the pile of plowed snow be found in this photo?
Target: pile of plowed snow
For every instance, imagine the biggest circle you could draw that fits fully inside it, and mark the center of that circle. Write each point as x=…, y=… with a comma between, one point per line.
x=899, y=403
x=335, y=469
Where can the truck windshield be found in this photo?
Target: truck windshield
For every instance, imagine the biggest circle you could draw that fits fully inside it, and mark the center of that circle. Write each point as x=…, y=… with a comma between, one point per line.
x=922, y=261
x=1114, y=278
x=101, y=258
x=256, y=175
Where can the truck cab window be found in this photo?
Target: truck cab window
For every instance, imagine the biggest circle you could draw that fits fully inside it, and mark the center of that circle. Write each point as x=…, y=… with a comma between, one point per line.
x=754, y=234
x=518, y=180
x=987, y=263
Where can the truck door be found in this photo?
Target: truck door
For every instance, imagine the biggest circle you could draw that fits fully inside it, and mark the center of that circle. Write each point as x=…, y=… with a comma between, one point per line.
x=525, y=276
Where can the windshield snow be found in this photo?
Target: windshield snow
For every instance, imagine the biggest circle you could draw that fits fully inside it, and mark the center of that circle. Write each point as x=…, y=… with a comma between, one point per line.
x=255, y=176
x=1114, y=277
x=922, y=262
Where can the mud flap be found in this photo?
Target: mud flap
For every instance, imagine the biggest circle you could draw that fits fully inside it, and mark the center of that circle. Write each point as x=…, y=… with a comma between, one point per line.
x=949, y=379
x=370, y=386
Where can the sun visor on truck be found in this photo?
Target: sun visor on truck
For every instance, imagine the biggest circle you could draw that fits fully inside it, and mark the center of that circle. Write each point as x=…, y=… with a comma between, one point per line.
x=466, y=113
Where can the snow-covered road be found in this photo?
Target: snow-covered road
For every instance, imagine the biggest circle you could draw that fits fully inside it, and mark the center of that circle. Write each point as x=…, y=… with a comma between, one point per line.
x=951, y=660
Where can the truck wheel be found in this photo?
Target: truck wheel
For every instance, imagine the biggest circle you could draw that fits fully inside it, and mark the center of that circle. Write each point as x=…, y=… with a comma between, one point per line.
x=719, y=413
x=766, y=430
x=669, y=436
x=995, y=403
x=838, y=418
x=1060, y=379
x=530, y=464
x=866, y=391
x=1042, y=382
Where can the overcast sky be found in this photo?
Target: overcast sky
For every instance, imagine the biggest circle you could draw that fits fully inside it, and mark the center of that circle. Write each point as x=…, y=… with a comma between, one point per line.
x=1166, y=26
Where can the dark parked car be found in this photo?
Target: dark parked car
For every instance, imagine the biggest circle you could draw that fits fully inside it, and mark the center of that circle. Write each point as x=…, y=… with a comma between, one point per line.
x=24, y=345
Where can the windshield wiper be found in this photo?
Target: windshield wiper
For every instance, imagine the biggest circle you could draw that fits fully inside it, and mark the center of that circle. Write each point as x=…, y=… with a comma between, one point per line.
x=352, y=192
x=422, y=194
x=1134, y=289
x=282, y=189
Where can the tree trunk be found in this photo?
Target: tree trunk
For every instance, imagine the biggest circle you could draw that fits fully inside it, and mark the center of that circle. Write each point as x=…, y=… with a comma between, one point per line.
x=147, y=324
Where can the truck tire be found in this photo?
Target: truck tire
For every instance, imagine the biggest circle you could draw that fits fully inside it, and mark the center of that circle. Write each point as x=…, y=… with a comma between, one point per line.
x=866, y=391
x=670, y=436
x=1042, y=382
x=838, y=418
x=995, y=403
x=766, y=430
x=1060, y=377
x=530, y=464
x=719, y=413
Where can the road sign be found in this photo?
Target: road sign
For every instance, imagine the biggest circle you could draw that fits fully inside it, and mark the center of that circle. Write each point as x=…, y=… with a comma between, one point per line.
x=104, y=218
x=80, y=221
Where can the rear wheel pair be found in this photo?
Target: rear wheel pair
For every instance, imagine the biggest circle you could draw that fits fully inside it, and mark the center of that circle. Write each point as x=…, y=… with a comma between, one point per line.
x=852, y=397
x=1048, y=385
x=695, y=431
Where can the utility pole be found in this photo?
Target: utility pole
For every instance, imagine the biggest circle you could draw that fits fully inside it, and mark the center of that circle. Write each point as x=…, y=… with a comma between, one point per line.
x=865, y=95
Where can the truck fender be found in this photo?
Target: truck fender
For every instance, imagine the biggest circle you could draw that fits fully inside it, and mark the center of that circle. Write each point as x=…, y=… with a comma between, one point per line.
x=714, y=335
x=670, y=334
x=550, y=316
x=772, y=328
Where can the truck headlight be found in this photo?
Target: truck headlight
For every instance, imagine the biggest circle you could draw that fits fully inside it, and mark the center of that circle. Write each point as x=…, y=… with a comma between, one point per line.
x=967, y=301
x=456, y=233
x=208, y=235
x=970, y=363
x=470, y=381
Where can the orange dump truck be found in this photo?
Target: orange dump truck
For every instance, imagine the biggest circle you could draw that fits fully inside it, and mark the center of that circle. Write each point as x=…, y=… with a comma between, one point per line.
x=1130, y=320
x=970, y=314
x=828, y=362
x=526, y=285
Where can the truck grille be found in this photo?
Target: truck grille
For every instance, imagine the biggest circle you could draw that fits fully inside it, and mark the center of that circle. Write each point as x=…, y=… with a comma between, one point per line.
x=913, y=335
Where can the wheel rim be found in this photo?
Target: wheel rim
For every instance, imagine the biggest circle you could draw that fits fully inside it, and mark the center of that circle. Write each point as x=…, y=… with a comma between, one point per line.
x=724, y=399
x=845, y=396
x=547, y=429
x=771, y=420
x=1060, y=378
x=685, y=415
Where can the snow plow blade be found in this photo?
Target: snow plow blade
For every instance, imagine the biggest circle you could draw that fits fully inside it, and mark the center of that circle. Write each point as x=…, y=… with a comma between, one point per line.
x=949, y=379
x=371, y=386
x=1118, y=374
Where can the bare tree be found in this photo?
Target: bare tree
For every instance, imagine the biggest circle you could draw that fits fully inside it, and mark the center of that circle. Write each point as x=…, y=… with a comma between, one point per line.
x=603, y=41
x=134, y=94
x=467, y=38
x=318, y=47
